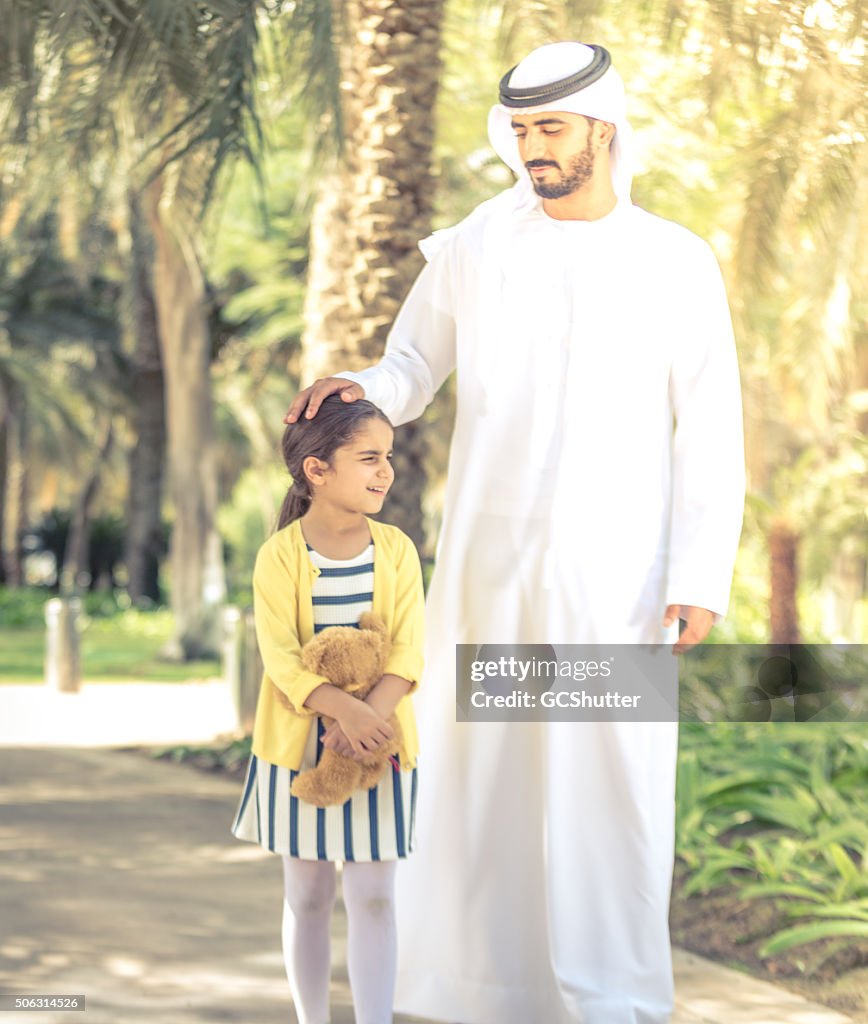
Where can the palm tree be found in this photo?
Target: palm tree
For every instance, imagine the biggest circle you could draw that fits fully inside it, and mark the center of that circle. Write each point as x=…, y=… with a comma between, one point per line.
x=182, y=74
x=143, y=549
x=60, y=370
x=796, y=268
x=13, y=477
x=375, y=204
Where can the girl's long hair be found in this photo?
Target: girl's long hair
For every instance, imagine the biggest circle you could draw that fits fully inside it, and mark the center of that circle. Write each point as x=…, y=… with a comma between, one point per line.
x=336, y=424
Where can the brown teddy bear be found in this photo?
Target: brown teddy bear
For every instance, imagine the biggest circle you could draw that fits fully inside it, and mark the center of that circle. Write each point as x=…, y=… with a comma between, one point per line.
x=355, y=660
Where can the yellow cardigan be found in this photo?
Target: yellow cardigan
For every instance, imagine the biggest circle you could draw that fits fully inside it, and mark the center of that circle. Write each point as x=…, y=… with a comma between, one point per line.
x=283, y=609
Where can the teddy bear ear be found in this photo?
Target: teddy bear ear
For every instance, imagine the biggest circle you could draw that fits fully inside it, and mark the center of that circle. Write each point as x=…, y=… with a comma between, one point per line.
x=373, y=622
x=308, y=660
x=312, y=652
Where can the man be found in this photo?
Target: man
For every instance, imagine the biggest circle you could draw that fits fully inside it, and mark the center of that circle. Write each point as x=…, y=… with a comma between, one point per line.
x=594, y=495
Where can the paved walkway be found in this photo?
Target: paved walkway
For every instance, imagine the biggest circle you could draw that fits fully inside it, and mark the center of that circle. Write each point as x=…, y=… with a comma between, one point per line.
x=115, y=714
x=119, y=880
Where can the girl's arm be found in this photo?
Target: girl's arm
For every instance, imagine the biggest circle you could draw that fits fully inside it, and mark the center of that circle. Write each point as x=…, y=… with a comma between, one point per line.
x=383, y=699
x=408, y=624
x=275, y=606
x=387, y=693
x=361, y=725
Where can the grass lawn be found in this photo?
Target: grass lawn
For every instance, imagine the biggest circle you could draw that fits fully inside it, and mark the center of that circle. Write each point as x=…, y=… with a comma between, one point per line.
x=121, y=648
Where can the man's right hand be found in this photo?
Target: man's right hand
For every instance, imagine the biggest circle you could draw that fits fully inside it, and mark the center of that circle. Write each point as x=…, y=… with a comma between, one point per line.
x=312, y=397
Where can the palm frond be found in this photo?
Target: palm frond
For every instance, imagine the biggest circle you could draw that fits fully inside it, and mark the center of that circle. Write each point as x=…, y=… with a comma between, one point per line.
x=306, y=43
x=185, y=70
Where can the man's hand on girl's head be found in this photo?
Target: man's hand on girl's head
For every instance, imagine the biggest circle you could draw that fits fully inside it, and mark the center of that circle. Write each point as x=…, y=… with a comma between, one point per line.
x=312, y=397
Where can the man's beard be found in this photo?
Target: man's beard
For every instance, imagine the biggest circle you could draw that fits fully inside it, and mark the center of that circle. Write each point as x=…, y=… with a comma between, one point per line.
x=579, y=172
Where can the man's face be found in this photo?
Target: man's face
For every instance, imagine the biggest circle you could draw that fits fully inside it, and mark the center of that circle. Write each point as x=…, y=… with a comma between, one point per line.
x=558, y=150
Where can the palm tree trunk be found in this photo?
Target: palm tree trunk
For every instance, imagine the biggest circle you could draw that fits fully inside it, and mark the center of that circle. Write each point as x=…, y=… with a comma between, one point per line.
x=15, y=490
x=3, y=441
x=376, y=207
x=198, y=585
x=263, y=440
x=783, y=549
x=144, y=538
x=328, y=320
x=75, y=576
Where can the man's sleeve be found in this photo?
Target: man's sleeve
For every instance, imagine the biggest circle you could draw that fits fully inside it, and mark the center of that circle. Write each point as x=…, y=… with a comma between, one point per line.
x=708, y=444
x=275, y=611
x=420, y=349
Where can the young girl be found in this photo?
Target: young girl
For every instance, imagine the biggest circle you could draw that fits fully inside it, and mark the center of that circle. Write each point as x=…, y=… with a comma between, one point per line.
x=326, y=565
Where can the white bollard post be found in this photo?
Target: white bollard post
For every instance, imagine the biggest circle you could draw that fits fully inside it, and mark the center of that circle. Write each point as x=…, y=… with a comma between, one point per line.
x=62, y=653
x=251, y=674
x=231, y=648
x=242, y=665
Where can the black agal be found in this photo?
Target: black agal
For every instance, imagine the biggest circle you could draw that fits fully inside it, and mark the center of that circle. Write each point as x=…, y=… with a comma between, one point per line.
x=543, y=95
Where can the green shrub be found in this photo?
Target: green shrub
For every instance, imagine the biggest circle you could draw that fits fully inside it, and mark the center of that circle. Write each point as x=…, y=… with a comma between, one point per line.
x=779, y=812
x=23, y=606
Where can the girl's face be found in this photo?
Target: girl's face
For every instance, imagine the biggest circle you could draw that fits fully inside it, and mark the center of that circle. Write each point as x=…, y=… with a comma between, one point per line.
x=360, y=473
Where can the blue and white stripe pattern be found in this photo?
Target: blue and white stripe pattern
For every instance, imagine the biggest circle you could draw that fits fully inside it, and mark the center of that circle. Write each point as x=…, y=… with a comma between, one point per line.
x=376, y=824
x=343, y=591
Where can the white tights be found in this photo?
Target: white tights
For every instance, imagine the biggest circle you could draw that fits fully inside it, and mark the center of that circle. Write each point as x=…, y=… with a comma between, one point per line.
x=309, y=895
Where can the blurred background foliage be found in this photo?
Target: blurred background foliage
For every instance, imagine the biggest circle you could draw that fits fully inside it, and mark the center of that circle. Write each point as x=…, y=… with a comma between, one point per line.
x=225, y=121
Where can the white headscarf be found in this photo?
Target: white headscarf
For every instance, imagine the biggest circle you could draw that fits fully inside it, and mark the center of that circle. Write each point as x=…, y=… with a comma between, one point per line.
x=603, y=100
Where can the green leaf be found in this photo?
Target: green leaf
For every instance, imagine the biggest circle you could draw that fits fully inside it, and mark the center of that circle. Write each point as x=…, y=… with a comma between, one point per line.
x=716, y=870
x=767, y=889
x=856, y=910
x=781, y=941
x=789, y=812
x=850, y=874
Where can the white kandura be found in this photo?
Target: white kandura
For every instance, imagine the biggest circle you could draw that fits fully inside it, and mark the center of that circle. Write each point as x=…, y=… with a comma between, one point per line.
x=596, y=475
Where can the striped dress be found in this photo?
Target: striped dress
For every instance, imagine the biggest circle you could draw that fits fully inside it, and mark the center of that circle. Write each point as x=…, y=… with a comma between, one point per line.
x=375, y=824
